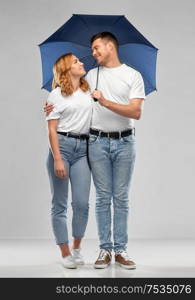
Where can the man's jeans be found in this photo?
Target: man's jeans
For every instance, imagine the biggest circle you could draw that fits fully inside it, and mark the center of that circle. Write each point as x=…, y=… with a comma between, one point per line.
x=73, y=152
x=112, y=162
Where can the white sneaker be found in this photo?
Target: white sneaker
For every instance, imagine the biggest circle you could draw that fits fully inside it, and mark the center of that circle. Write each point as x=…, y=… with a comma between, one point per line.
x=68, y=262
x=78, y=258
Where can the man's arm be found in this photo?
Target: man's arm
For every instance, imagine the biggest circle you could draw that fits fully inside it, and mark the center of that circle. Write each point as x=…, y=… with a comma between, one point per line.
x=48, y=108
x=132, y=110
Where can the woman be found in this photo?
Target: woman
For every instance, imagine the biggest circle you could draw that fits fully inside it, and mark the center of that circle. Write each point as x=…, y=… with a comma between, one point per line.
x=68, y=128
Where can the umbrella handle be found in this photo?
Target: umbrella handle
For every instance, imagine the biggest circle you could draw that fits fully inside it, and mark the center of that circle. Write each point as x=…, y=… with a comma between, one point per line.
x=97, y=82
x=95, y=98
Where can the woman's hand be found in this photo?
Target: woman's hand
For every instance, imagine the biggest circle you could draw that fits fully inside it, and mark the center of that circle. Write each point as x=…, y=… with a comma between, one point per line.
x=48, y=108
x=60, y=169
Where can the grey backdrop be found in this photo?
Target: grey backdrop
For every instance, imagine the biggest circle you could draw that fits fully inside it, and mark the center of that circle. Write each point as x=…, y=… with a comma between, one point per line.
x=162, y=195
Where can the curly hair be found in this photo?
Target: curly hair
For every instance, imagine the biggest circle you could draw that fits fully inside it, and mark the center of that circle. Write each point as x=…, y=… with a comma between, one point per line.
x=62, y=78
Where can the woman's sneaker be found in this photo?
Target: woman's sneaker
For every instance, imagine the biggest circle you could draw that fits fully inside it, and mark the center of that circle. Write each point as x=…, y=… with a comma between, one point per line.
x=122, y=259
x=104, y=259
x=78, y=258
x=68, y=262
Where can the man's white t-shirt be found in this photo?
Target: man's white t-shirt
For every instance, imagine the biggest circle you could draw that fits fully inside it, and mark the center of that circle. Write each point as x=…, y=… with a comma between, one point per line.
x=74, y=112
x=118, y=84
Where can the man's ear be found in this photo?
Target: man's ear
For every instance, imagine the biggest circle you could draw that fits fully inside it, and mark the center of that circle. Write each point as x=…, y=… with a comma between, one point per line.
x=111, y=46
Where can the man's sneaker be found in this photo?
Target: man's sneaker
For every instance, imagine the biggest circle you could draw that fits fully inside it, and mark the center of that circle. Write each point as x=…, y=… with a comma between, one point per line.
x=122, y=259
x=68, y=262
x=103, y=260
x=78, y=258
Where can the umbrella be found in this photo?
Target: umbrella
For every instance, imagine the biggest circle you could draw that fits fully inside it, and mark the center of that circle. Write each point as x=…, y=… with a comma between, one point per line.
x=75, y=35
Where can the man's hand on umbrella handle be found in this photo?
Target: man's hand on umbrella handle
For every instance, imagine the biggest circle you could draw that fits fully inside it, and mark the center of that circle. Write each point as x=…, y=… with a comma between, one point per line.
x=94, y=97
x=99, y=96
x=48, y=108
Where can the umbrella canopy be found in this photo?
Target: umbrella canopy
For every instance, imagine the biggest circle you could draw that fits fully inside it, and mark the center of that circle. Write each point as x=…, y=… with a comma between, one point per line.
x=75, y=35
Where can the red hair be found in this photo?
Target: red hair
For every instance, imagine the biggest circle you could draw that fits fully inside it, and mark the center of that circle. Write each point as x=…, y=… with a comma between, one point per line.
x=62, y=78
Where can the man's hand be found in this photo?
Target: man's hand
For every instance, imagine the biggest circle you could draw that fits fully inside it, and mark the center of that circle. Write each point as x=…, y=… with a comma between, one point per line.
x=48, y=108
x=99, y=96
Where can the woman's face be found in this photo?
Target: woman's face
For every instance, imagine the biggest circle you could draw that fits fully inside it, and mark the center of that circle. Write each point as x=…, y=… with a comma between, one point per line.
x=77, y=67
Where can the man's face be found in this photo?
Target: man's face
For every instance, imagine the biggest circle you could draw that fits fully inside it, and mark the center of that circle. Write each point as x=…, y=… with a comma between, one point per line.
x=100, y=50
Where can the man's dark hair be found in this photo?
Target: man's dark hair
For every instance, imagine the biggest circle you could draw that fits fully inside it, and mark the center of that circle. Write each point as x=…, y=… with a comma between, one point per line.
x=106, y=35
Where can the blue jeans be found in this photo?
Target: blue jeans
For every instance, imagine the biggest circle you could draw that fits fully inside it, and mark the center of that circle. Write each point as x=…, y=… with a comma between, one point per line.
x=112, y=163
x=73, y=152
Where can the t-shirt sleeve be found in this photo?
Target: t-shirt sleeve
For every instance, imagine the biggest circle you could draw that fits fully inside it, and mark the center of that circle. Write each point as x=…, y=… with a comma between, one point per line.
x=55, y=113
x=137, y=88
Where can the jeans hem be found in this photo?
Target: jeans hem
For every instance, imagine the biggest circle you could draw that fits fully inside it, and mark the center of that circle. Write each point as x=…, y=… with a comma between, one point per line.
x=107, y=249
x=61, y=243
x=121, y=249
x=78, y=237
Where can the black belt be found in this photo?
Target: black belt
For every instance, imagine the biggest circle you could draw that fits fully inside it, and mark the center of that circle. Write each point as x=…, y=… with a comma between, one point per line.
x=76, y=136
x=114, y=134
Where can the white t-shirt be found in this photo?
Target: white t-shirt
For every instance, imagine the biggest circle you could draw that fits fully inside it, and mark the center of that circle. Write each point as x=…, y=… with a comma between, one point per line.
x=74, y=111
x=118, y=84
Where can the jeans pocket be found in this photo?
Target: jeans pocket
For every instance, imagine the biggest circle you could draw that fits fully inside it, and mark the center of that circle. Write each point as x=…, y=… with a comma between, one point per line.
x=60, y=137
x=92, y=139
x=128, y=139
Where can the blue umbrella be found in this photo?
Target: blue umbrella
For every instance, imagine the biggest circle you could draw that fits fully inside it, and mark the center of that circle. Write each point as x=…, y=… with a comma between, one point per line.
x=75, y=35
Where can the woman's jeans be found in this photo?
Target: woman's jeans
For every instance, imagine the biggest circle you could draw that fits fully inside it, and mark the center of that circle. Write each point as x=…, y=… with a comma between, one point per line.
x=112, y=163
x=73, y=152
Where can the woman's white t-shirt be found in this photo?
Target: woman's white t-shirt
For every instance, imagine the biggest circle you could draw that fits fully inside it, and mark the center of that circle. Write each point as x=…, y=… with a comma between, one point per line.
x=74, y=112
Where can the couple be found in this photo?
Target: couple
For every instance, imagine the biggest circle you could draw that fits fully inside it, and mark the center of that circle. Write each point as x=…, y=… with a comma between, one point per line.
x=100, y=136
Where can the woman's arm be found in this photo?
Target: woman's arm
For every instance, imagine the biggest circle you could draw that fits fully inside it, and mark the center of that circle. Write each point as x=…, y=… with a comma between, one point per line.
x=59, y=166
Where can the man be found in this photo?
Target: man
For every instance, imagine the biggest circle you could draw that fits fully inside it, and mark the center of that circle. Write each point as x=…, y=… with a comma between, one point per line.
x=120, y=96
